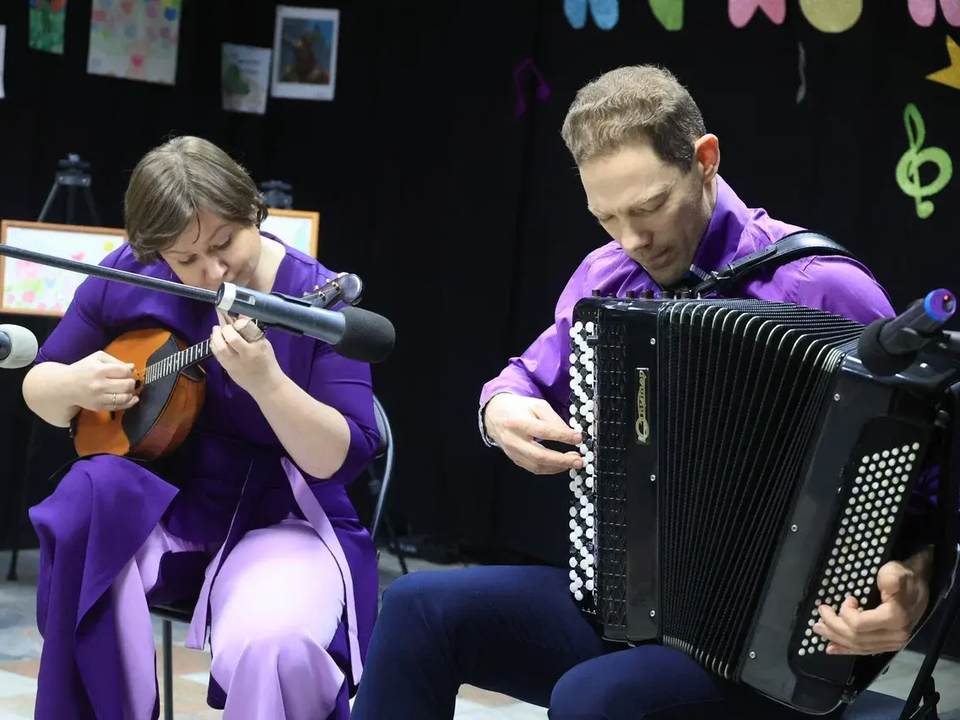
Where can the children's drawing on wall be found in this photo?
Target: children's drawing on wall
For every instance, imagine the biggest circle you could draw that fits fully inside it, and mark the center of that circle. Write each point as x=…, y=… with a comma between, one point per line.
x=135, y=40
x=47, y=19
x=305, y=53
x=245, y=77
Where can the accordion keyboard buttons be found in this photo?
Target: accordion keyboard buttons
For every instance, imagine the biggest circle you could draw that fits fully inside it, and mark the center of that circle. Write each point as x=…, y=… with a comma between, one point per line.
x=864, y=534
x=582, y=417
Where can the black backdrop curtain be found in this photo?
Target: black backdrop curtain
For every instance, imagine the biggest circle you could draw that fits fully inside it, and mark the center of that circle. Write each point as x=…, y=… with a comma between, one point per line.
x=465, y=217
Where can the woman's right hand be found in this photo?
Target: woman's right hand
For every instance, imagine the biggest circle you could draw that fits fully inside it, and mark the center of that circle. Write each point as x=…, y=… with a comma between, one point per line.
x=103, y=383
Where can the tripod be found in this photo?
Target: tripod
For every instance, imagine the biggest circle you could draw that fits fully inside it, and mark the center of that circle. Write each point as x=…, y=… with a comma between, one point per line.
x=72, y=173
x=277, y=194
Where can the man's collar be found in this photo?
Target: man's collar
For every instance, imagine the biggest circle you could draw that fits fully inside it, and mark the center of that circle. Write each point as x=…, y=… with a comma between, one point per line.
x=721, y=241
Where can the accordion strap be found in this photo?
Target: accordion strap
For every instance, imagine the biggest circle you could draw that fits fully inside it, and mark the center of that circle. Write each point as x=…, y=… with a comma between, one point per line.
x=790, y=247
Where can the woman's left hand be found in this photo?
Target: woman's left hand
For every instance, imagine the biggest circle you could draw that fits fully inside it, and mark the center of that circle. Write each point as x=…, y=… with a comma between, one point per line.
x=245, y=354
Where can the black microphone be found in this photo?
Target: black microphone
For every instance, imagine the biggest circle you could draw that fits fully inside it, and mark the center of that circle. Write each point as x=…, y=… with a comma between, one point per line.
x=891, y=345
x=354, y=333
x=18, y=347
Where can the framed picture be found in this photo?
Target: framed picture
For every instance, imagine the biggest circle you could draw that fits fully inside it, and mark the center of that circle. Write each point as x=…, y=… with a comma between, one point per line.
x=305, y=53
x=32, y=289
x=297, y=228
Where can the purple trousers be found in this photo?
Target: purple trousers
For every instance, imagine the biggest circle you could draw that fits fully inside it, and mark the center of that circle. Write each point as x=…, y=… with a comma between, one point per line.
x=278, y=603
x=275, y=607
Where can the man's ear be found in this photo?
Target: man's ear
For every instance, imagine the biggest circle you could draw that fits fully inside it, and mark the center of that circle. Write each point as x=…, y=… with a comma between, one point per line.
x=707, y=155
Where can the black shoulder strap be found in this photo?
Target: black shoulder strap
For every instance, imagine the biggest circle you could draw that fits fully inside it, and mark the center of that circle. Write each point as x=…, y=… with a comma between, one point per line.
x=789, y=248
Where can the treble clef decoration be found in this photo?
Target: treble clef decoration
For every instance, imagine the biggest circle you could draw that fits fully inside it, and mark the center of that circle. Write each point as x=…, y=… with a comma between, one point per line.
x=908, y=169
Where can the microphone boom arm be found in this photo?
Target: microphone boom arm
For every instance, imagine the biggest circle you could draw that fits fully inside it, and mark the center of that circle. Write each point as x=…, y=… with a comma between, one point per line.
x=109, y=273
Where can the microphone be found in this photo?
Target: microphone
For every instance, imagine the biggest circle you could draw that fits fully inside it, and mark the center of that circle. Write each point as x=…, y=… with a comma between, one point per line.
x=18, y=347
x=890, y=345
x=354, y=333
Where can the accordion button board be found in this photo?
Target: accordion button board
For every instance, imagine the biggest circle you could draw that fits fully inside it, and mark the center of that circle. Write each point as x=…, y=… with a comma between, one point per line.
x=741, y=470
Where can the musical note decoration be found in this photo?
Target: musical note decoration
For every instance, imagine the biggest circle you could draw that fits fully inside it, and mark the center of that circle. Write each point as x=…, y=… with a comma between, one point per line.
x=924, y=12
x=742, y=11
x=832, y=16
x=543, y=89
x=950, y=75
x=802, y=90
x=908, y=169
x=669, y=13
x=605, y=13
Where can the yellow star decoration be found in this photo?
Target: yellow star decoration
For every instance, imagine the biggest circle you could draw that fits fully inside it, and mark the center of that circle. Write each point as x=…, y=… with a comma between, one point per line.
x=950, y=75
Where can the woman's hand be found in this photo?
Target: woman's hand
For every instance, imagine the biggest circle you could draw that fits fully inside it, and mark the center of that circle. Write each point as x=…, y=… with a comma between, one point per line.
x=245, y=354
x=100, y=382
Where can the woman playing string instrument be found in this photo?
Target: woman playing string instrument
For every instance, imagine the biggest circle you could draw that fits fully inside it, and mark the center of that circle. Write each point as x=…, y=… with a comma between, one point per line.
x=251, y=512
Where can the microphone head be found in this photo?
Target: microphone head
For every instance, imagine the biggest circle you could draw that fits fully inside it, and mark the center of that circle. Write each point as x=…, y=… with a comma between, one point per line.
x=367, y=337
x=22, y=350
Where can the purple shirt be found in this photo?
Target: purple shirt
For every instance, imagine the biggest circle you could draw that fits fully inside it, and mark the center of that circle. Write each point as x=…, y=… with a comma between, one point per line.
x=836, y=284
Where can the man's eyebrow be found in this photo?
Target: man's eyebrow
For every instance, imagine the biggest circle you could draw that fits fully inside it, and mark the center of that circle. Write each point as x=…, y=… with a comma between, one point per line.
x=657, y=194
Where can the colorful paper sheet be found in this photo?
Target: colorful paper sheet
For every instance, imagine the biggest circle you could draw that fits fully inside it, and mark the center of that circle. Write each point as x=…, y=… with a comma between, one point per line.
x=135, y=39
x=742, y=11
x=908, y=168
x=245, y=78
x=950, y=75
x=832, y=16
x=605, y=13
x=924, y=12
x=3, y=54
x=47, y=20
x=669, y=13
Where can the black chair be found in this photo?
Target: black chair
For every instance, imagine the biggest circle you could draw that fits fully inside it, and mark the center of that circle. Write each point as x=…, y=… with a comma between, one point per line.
x=378, y=483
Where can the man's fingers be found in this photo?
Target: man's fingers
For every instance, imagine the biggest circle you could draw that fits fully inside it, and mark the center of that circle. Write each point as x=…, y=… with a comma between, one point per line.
x=556, y=431
x=540, y=460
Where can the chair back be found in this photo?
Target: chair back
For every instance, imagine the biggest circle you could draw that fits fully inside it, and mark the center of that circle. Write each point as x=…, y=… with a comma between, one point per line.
x=380, y=485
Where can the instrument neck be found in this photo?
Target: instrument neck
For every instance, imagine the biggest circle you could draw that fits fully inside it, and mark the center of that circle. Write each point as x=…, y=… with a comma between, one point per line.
x=178, y=361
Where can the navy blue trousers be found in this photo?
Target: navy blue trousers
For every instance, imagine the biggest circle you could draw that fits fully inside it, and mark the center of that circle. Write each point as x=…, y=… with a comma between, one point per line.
x=517, y=631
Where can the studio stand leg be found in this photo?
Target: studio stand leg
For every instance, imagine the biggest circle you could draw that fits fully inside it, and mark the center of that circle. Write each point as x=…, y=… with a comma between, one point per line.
x=71, y=174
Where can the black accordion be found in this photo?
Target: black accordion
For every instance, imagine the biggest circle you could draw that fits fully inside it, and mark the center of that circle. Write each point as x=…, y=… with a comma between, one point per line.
x=741, y=469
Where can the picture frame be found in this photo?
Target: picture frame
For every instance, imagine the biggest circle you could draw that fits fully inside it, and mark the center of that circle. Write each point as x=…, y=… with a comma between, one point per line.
x=299, y=229
x=305, y=44
x=28, y=288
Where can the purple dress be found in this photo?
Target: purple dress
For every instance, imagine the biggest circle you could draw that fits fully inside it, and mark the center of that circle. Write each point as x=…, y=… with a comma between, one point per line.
x=231, y=476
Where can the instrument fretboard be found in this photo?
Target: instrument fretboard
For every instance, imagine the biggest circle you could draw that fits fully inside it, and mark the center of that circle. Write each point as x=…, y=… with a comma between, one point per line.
x=177, y=362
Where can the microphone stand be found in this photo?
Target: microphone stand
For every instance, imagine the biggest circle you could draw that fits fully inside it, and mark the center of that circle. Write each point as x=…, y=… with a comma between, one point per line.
x=131, y=278
x=921, y=702
x=109, y=273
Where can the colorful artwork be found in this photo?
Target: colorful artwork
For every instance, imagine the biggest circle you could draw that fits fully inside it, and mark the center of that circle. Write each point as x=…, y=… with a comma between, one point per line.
x=298, y=231
x=543, y=90
x=950, y=75
x=742, y=11
x=669, y=13
x=33, y=288
x=3, y=54
x=47, y=20
x=305, y=53
x=605, y=13
x=924, y=12
x=832, y=16
x=908, y=169
x=135, y=39
x=245, y=78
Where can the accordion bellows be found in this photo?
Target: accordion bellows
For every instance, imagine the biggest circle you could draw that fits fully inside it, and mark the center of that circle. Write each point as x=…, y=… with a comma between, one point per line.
x=741, y=469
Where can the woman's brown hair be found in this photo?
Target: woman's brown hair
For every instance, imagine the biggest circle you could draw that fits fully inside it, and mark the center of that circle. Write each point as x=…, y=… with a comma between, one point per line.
x=174, y=181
